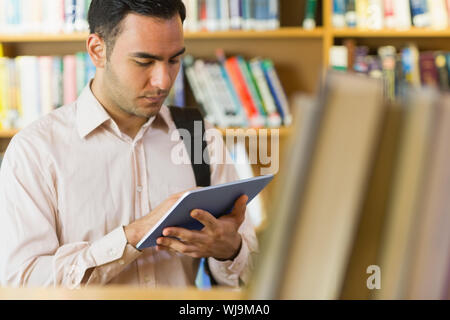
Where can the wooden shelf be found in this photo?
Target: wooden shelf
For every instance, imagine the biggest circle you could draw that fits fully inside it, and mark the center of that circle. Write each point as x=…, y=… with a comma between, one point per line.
x=410, y=33
x=287, y=32
x=283, y=132
x=42, y=37
x=121, y=293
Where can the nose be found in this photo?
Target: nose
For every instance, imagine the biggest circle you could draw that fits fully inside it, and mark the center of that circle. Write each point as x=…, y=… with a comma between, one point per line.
x=160, y=77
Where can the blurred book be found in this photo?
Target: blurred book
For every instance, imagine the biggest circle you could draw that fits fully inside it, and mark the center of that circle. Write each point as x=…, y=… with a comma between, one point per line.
x=235, y=92
x=33, y=86
x=44, y=16
x=221, y=15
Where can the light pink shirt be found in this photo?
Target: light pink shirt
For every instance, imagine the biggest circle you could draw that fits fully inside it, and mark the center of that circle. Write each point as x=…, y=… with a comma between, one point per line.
x=72, y=180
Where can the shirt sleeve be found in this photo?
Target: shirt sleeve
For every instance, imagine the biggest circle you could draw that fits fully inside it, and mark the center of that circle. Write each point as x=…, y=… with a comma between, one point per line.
x=30, y=252
x=230, y=273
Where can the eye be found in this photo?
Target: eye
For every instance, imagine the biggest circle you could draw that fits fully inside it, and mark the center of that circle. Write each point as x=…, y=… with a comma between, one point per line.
x=144, y=64
x=174, y=61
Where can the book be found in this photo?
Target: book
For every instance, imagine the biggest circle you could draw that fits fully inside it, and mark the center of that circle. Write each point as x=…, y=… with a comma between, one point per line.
x=362, y=14
x=350, y=13
x=339, y=58
x=420, y=13
x=309, y=21
x=337, y=187
x=275, y=241
x=388, y=55
x=338, y=18
x=374, y=208
x=402, y=11
x=399, y=231
x=277, y=90
x=438, y=14
x=389, y=14
x=428, y=71
x=375, y=15
x=430, y=263
x=442, y=69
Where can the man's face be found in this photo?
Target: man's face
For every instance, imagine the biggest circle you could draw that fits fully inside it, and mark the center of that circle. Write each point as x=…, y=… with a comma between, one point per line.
x=144, y=64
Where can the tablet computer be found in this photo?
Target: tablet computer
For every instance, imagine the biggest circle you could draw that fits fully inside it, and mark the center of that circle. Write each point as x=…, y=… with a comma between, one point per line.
x=218, y=200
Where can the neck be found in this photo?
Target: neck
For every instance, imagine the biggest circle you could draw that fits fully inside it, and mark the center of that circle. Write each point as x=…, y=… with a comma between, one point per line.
x=128, y=124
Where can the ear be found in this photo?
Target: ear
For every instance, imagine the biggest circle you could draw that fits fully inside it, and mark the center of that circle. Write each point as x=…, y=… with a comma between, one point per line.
x=96, y=48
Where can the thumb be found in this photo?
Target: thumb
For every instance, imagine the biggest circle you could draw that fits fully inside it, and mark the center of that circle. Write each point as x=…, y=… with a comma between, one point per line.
x=239, y=208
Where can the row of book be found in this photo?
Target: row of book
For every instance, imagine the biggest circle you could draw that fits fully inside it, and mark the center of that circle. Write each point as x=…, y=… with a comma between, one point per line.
x=235, y=92
x=361, y=209
x=222, y=15
x=407, y=67
x=391, y=14
x=44, y=16
x=33, y=86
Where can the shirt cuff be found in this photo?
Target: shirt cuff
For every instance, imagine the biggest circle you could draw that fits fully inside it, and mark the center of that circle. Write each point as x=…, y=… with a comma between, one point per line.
x=230, y=270
x=110, y=247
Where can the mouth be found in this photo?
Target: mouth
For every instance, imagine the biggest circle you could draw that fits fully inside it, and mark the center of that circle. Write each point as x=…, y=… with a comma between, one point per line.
x=156, y=99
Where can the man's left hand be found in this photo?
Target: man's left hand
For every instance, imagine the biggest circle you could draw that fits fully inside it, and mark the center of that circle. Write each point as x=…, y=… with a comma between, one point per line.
x=218, y=239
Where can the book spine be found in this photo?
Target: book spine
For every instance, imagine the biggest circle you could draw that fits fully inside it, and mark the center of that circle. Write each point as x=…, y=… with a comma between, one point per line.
x=428, y=71
x=350, y=44
x=212, y=21
x=81, y=23
x=273, y=15
x=235, y=14
x=239, y=110
x=70, y=7
x=309, y=22
x=277, y=91
x=350, y=13
x=419, y=13
x=438, y=14
x=402, y=12
x=266, y=96
x=80, y=71
x=441, y=65
x=375, y=15
x=244, y=69
x=202, y=15
x=338, y=18
x=410, y=58
x=179, y=89
x=389, y=14
x=232, y=67
x=339, y=58
x=3, y=93
x=224, y=7
x=247, y=15
x=388, y=55
x=260, y=14
x=362, y=13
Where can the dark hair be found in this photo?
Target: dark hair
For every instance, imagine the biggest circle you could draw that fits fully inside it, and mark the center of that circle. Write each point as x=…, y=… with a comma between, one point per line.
x=105, y=16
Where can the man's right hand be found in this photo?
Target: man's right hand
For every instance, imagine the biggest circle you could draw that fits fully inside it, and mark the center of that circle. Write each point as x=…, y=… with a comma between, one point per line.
x=139, y=228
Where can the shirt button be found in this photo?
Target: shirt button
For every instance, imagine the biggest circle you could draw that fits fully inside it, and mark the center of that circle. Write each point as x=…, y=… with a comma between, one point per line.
x=121, y=262
x=139, y=189
x=112, y=252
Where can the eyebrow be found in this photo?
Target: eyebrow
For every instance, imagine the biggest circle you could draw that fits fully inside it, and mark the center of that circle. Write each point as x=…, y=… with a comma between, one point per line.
x=145, y=55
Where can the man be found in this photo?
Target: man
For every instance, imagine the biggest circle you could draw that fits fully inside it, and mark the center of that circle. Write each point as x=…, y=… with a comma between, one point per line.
x=80, y=187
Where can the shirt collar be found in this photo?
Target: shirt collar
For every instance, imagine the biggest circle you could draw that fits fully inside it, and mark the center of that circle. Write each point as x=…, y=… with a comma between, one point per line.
x=91, y=114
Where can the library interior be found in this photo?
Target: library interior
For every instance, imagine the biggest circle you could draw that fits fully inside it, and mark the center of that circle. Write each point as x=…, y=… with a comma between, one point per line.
x=346, y=102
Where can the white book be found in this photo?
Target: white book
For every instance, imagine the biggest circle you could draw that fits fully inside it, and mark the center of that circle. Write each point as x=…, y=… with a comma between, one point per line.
x=402, y=11
x=273, y=21
x=69, y=15
x=212, y=21
x=26, y=16
x=235, y=15
x=438, y=14
x=36, y=8
x=207, y=85
x=224, y=14
x=375, y=15
x=81, y=23
x=235, y=118
x=191, y=24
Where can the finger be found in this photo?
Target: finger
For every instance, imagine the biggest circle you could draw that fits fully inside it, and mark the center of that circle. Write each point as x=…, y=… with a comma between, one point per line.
x=205, y=218
x=184, y=235
x=239, y=208
x=175, y=245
